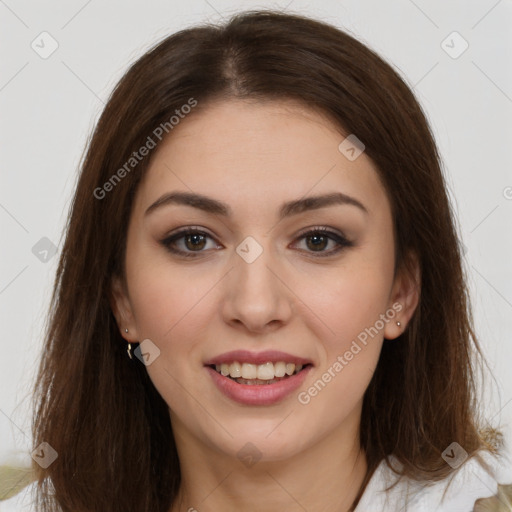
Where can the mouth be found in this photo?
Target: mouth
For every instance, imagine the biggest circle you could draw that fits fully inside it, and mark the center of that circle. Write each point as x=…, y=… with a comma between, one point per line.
x=258, y=374
x=264, y=378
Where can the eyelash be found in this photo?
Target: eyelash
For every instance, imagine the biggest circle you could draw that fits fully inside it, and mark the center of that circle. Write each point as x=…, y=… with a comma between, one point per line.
x=339, y=239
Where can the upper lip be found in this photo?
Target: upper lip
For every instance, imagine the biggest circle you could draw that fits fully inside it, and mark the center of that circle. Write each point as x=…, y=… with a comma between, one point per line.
x=245, y=356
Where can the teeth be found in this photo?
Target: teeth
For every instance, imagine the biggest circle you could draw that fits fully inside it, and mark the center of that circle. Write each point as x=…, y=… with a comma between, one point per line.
x=267, y=371
x=290, y=368
x=249, y=371
x=235, y=370
x=280, y=369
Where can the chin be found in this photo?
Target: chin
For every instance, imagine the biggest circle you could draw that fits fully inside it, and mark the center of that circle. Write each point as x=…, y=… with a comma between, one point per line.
x=259, y=440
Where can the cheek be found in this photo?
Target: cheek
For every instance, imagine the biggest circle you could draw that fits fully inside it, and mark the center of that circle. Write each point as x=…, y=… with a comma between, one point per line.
x=352, y=302
x=353, y=308
x=356, y=307
x=173, y=311
x=166, y=297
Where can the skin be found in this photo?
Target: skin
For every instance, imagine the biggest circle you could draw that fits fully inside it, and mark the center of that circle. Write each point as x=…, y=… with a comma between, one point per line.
x=254, y=156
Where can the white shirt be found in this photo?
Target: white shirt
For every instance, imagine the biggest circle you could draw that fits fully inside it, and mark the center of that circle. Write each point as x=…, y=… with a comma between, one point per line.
x=470, y=482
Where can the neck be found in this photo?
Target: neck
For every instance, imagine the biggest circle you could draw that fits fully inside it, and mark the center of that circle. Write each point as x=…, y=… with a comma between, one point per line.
x=325, y=477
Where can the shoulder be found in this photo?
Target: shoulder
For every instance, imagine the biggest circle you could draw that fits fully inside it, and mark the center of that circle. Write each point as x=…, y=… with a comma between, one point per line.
x=458, y=492
x=21, y=502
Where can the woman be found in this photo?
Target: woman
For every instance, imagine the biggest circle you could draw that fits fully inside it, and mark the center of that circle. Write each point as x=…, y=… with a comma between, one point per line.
x=260, y=303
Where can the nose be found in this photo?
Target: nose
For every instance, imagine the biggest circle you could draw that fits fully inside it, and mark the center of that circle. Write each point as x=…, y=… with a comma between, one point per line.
x=257, y=297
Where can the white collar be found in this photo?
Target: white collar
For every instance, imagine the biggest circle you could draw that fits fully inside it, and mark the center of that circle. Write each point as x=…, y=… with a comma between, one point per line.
x=469, y=482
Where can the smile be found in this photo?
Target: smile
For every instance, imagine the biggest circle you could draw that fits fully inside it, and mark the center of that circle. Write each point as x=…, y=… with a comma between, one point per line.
x=257, y=374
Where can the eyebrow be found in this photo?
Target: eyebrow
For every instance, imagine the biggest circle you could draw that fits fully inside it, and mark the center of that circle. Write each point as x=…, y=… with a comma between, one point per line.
x=213, y=206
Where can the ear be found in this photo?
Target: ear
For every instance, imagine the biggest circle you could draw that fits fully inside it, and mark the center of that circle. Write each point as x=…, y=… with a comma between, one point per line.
x=122, y=309
x=404, y=297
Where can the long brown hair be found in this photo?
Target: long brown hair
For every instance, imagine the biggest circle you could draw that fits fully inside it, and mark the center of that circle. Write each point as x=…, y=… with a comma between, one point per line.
x=102, y=414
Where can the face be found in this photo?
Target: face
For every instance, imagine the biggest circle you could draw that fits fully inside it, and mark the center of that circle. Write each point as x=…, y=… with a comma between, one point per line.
x=286, y=259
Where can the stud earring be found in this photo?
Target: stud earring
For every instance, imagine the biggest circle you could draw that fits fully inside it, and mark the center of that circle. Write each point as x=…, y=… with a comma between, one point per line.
x=126, y=330
x=399, y=324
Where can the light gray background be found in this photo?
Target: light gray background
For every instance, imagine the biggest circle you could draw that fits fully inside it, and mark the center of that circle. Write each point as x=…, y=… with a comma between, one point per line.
x=50, y=105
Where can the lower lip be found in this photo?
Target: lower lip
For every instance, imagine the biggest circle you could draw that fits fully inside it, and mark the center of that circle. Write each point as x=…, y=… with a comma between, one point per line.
x=258, y=394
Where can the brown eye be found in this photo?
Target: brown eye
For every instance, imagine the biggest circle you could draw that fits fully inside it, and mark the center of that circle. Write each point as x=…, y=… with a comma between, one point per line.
x=188, y=242
x=195, y=241
x=317, y=242
x=318, y=239
x=192, y=242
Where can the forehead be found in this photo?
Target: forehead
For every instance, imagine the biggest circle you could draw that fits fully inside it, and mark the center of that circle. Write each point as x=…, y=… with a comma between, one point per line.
x=260, y=152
